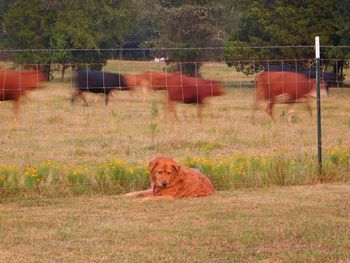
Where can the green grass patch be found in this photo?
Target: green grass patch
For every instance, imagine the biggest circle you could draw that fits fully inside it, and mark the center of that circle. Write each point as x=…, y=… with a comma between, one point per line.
x=237, y=171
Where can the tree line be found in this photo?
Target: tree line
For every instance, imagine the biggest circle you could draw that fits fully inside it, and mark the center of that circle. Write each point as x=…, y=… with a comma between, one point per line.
x=62, y=29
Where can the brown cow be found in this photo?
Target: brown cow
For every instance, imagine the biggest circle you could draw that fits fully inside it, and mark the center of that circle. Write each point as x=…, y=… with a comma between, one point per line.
x=14, y=84
x=182, y=88
x=284, y=87
x=145, y=81
x=190, y=90
x=158, y=80
x=134, y=81
x=155, y=81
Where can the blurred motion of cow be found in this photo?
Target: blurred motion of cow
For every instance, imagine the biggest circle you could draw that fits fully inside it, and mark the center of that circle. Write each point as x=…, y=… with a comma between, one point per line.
x=329, y=79
x=181, y=88
x=158, y=80
x=134, y=81
x=98, y=82
x=278, y=87
x=190, y=90
x=15, y=84
x=148, y=80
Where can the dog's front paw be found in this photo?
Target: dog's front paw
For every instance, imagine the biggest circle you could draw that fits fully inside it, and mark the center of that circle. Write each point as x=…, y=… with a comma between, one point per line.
x=131, y=194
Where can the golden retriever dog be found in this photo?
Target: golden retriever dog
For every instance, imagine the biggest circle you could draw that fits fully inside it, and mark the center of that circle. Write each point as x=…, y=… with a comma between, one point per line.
x=171, y=180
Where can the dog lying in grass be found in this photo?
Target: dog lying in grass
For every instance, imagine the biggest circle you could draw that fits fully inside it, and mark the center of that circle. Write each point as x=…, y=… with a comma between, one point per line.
x=171, y=180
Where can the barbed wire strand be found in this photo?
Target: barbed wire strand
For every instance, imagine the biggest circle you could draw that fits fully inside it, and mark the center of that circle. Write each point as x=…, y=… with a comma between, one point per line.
x=169, y=48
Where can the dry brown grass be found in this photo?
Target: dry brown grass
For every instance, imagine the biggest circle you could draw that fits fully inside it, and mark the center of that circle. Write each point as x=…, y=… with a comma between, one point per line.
x=294, y=224
x=51, y=128
x=290, y=224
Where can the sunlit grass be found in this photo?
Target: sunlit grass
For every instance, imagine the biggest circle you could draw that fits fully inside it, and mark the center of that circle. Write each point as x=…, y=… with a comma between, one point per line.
x=275, y=224
x=97, y=152
x=235, y=171
x=50, y=128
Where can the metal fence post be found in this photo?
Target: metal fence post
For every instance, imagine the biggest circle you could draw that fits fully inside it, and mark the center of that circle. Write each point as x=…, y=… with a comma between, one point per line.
x=319, y=138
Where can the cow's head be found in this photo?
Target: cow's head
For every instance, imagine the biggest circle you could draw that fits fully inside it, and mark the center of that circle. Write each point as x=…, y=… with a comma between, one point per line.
x=323, y=88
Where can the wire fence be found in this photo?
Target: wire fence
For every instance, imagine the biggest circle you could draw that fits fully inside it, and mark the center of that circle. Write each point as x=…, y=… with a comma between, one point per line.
x=137, y=125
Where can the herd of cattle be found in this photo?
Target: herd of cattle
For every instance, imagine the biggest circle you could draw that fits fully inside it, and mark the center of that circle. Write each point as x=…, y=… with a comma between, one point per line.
x=273, y=85
x=179, y=87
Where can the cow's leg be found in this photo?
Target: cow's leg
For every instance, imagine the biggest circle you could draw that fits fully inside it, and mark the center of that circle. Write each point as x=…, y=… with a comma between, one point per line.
x=269, y=110
x=144, y=86
x=144, y=93
x=171, y=109
x=82, y=97
x=96, y=97
x=308, y=106
x=26, y=96
x=16, y=110
x=79, y=93
x=106, y=98
x=199, y=111
x=167, y=110
x=74, y=95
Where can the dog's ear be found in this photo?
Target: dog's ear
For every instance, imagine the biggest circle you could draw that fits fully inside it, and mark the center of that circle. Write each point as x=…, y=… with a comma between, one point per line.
x=176, y=167
x=177, y=173
x=152, y=164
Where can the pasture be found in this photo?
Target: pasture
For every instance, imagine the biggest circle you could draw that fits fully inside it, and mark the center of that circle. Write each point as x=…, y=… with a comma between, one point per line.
x=251, y=150
x=284, y=224
x=63, y=167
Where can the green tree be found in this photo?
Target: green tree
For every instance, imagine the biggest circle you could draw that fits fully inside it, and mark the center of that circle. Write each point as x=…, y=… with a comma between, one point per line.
x=4, y=6
x=144, y=29
x=25, y=23
x=188, y=28
x=279, y=23
x=94, y=25
x=341, y=15
x=65, y=25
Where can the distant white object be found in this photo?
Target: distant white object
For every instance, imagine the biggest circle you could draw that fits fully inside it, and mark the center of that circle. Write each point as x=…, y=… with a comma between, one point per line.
x=162, y=59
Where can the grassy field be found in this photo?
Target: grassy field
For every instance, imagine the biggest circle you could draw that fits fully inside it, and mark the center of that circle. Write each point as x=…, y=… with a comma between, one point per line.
x=63, y=168
x=289, y=224
x=51, y=128
x=134, y=130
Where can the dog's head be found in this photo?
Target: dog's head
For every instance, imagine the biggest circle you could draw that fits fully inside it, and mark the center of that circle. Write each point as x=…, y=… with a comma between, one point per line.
x=163, y=171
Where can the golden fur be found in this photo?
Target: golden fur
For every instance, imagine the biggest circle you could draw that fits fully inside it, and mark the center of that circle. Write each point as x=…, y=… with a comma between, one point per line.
x=171, y=180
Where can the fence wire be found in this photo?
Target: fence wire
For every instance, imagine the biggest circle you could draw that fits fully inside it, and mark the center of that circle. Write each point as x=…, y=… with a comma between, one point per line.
x=135, y=126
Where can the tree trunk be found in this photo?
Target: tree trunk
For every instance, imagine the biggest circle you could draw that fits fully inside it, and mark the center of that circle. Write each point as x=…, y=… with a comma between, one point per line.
x=64, y=67
x=47, y=71
x=338, y=70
